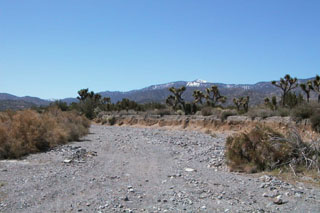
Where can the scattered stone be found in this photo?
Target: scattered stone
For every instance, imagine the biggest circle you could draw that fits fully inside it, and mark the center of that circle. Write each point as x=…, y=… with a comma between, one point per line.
x=278, y=200
x=67, y=161
x=190, y=170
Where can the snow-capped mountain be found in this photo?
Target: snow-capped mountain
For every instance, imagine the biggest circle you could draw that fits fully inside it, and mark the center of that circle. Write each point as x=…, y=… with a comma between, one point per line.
x=159, y=93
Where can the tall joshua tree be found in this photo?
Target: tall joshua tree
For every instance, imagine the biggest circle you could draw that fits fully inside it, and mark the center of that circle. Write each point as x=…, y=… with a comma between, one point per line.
x=316, y=86
x=177, y=95
x=198, y=96
x=213, y=96
x=307, y=88
x=286, y=84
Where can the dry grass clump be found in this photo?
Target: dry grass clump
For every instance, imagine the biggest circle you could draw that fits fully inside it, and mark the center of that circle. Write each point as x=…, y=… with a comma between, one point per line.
x=27, y=131
x=265, y=149
x=226, y=113
x=305, y=111
x=206, y=111
x=261, y=112
x=315, y=121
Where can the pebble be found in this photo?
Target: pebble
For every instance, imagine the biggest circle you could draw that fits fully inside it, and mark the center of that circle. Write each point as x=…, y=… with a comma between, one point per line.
x=278, y=200
x=189, y=170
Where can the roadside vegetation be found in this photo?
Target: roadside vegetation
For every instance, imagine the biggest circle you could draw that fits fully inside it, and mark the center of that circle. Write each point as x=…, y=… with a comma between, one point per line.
x=264, y=149
x=28, y=131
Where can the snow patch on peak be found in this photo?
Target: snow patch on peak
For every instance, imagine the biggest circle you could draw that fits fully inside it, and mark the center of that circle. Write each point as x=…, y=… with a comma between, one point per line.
x=196, y=83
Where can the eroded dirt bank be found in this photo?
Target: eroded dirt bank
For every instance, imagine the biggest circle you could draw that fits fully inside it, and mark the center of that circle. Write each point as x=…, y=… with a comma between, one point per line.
x=213, y=124
x=126, y=169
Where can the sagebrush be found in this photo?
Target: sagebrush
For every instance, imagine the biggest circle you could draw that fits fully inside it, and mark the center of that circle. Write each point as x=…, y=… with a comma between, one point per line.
x=28, y=131
x=263, y=148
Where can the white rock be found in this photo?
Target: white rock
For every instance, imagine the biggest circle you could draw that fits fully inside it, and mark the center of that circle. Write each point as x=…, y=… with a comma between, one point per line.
x=189, y=170
x=67, y=161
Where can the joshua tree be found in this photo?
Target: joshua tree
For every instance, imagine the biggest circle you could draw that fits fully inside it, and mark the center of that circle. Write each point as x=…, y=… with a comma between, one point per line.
x=271, y=104
x=307, y=88
x=213, y=96
x=242, y=102
x=316, y=86
x=245, y=103
x=177, y=95
x=88, y=102
x=286, y=84
x=83, y=94
x=198, y=96
x=171, y=101
x=237, y=102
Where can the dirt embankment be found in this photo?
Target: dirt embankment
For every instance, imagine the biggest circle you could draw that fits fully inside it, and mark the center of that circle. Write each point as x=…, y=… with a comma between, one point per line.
x=212, y=124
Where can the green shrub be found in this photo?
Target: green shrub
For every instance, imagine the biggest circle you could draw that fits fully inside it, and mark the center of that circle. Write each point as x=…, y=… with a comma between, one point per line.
x=206, y=111
x=303, y=111
x=315, y=121
x=225, y=114
x=188, y=109
x=180, y=112
x=163, y=112
x=260, y=112
x=283, y=112
x=111, y=120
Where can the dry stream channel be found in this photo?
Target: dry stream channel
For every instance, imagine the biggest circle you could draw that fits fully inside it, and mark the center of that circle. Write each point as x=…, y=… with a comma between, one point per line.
x=130, y=169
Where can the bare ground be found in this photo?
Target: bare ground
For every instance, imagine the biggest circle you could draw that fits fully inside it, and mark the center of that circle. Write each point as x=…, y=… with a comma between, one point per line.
x=125, y=169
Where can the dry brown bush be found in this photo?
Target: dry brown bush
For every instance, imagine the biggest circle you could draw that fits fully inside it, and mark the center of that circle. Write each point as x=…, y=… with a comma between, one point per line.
x=263, y=148
x=27, y=131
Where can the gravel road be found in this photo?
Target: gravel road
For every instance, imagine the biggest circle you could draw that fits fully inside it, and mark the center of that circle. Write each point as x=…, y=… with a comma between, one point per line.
x=125, y=169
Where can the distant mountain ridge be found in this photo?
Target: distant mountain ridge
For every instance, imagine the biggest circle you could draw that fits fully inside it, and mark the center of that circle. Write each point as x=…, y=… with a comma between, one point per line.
x=34, y=100
x=159, y=92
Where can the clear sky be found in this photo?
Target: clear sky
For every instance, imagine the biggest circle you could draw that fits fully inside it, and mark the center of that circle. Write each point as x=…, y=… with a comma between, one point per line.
x=51, y=49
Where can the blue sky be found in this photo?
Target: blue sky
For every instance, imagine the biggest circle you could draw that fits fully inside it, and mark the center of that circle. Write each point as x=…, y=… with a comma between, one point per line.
x=51, y=49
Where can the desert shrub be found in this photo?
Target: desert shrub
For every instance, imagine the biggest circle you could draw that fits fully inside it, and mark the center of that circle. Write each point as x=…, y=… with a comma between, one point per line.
x=188, y=109
x=260, y=112
x=262, y=148
x=283, y=112
x=225, y=114
x=111, y=120
x=206, y=111
x=28, y=131
x=315, y=121
x=180, y=112
x=303, y=111
x=163, y=112
x=63, y=106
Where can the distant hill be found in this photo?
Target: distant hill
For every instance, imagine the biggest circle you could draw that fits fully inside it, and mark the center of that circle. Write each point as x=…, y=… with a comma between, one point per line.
x=8, y=101
x=34, y=100
x=15, y=104
x=159, y=93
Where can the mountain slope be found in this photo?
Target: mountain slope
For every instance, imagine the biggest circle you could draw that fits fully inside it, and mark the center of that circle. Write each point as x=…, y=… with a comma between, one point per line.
x=159, y=93
x=33, y=100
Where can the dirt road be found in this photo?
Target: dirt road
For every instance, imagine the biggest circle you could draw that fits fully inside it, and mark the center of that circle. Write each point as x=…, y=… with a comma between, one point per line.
x=125, y=169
